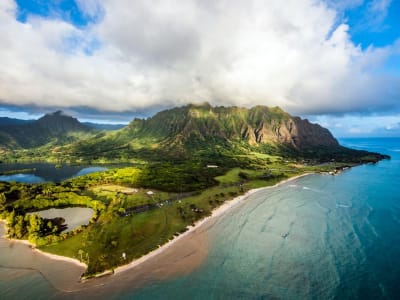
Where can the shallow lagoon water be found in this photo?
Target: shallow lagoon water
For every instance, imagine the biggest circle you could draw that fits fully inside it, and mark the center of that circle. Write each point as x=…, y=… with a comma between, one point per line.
x=319, y=237
x=73, y=216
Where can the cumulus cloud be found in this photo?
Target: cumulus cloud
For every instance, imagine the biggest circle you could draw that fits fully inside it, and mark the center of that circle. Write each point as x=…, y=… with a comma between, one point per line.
x=144, y=54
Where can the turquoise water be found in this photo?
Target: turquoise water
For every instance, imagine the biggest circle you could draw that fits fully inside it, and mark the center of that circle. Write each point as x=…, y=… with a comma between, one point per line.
x=318, y=237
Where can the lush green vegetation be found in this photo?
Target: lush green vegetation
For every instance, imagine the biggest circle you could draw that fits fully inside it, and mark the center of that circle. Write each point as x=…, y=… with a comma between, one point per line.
x=189, y=160
x=136, y=208
x=200, y=133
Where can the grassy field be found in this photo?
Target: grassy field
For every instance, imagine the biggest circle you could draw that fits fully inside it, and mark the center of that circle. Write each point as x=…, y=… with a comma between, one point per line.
x=102, y=244
x=129, y=197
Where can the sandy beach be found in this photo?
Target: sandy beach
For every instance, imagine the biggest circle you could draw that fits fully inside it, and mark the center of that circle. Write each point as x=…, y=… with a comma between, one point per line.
x=62, y=273
x=33, y=248
x=179, y=256
x=198, y=227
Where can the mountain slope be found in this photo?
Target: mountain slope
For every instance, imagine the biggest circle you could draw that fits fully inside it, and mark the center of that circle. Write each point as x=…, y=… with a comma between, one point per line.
x=258, y=125
x=55, y=128
x=103, y=126
x=209, y=133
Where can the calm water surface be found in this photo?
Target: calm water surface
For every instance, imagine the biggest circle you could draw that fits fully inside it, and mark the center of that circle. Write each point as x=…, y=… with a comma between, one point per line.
x=73, y=216
x=45, y=172
x=319, y=237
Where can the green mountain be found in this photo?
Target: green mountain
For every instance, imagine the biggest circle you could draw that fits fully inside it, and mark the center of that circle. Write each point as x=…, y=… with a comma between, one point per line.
x=13, y=121
x=256, y=126
x=54, y=128
x=209, y=133
x=103, y=126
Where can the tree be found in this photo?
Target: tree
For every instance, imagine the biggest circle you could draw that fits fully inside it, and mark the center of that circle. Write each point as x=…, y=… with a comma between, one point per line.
x=19, y=227
x=35, y=225
x=11, y=219
x=3, y=201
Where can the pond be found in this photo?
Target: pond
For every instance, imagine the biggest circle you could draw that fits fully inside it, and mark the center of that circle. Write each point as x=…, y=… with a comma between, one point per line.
x=45, y=172
x=73, y=216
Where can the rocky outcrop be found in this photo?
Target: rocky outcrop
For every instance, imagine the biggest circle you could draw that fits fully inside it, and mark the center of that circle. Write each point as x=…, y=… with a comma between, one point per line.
x=305, y=134
x=256, y=126
x=294, y=131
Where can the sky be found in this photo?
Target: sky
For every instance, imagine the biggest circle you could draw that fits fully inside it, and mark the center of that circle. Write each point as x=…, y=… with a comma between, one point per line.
x=334, y=62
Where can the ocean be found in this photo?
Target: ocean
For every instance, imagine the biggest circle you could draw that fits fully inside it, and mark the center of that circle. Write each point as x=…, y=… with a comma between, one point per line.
x=317, y=237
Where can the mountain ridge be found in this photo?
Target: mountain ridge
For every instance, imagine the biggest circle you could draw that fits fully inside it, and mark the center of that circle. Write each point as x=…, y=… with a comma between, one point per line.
x=257, y=125
x=191, y=132
x=57, y=128
x=217, y=134
x=4, y=121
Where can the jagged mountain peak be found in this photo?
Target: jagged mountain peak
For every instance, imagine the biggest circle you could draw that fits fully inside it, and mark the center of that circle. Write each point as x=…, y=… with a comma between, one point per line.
x=257, y=125
x=57, y=128
x=61, y=122
x=57, y=114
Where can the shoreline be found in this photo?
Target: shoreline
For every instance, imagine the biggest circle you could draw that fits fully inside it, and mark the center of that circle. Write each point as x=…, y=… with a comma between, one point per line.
x=32, y=246
x=226, y=206
x=188, y=234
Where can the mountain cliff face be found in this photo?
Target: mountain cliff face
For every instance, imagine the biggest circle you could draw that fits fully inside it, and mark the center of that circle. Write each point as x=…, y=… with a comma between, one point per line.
x=191, y=132
x=255, y=126
x=56, y=128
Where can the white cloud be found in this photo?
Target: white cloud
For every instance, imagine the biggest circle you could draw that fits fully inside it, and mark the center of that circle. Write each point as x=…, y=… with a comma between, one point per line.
x=392, y=126
x=358, y=125
x=345, y=4
x=160, y=53
x=90, y=8
x=377, y=12
x=380, y=6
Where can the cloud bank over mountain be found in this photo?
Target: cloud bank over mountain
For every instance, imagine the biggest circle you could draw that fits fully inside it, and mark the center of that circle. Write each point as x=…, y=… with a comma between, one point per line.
x=140, y=55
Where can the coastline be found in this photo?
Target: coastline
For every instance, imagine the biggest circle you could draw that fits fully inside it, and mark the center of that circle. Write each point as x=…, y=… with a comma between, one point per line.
x=181, y=255
x=59, y=272
x=226, y=206
x=33, y=247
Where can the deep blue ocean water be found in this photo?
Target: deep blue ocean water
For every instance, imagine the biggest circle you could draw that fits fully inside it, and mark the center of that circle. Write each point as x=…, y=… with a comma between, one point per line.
x=318, y=237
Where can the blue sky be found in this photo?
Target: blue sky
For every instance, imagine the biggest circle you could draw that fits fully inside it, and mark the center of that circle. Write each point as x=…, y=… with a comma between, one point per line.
x=333, y=62
x=373, y=23
x=68, y=11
